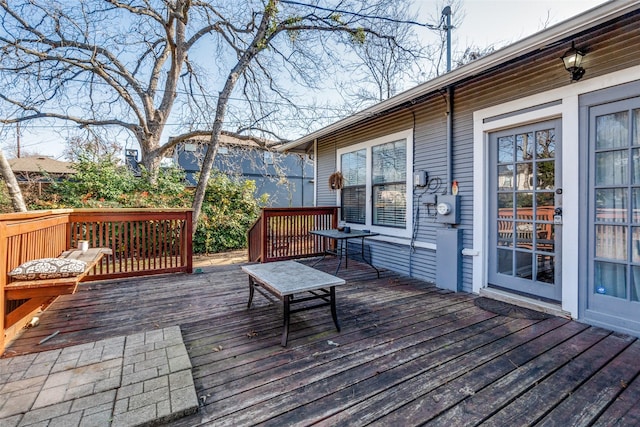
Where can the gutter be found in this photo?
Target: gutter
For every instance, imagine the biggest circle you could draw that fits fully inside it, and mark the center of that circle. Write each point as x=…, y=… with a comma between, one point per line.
x=591, y=18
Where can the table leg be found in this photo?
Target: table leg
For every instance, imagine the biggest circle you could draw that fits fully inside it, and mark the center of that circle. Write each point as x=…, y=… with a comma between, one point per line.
x=340, y=243
x=334, y=314
x=251, y=285
x=285, y=331
x=365, y=260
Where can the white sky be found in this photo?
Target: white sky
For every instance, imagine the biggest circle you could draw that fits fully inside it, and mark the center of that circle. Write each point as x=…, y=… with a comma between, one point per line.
x=486, y=22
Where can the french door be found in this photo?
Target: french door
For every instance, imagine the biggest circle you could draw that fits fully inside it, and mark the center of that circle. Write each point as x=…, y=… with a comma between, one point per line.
x=525, y=213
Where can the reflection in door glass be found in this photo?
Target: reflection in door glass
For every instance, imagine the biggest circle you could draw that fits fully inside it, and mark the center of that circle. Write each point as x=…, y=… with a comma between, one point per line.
x=505, y=149
x=505, y=262
x=524, y=265
x=610, y=279
x=524, y=146
x=546, y=144
x=612, y=130
x=546, y=268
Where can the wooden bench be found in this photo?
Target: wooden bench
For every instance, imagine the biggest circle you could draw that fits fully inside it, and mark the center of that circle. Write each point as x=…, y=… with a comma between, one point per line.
x=285, y=278
x=25, y=289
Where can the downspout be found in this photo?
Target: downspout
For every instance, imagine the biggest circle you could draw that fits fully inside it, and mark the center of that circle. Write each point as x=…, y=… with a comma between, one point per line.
x=449, y=180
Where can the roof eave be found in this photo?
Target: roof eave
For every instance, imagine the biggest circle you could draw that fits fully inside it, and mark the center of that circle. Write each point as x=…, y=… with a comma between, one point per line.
x=577, y=24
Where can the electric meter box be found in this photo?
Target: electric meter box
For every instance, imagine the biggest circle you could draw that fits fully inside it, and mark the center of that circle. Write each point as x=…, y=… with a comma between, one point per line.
x=448, y=209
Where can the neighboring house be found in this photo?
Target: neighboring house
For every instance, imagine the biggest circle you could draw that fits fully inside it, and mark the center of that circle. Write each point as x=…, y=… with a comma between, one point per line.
x=40, y=170
x=547, y=172
x=286, y=178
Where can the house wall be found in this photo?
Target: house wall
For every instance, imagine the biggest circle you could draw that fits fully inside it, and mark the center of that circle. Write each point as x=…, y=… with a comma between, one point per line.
x=610, y=48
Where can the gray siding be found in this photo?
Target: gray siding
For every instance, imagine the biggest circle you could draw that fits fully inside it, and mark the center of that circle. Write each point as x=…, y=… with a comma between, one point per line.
x=610, y=48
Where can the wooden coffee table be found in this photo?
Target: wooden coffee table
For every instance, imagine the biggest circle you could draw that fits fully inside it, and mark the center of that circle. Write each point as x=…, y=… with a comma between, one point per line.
x=286, y=278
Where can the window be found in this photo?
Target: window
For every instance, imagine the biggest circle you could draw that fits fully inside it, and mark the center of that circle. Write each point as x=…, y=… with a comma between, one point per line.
x=375, y=193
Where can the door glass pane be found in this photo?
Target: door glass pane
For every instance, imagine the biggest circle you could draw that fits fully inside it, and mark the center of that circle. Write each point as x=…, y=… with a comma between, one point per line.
x=610, y=279
x=505, y=149
x=635, y=166
x=611, y=205
x=505, y=233
x=636, y=204
x=545, y=175
x=545, y=237
x=635, y=283
x=524, y=175
x=505, y=205
x=546, y=144
x=505, y=177
x=611, y=167
x=546, y=268
x=524, y=235
x=635, y=244
x=524, y=146
x=524, y=265
x=545, y=202
x=524, y=205
x=612, y=130
x=611, y=242
x=505, y=262
x=636, y=127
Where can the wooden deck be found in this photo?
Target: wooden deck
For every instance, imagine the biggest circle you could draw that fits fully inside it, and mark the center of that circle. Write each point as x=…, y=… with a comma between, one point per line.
x=408, y=354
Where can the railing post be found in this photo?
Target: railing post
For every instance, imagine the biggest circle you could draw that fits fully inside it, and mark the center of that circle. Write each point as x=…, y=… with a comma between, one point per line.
x=188, y=241
x=264, y=232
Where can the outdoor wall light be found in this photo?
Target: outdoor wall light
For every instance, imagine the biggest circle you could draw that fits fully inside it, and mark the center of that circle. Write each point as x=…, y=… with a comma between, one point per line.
x=572, y=60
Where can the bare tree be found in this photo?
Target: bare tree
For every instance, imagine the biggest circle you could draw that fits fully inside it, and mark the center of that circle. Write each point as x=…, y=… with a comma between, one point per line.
x=386, y=66
x=12, y=185
x=134, y=64
x=90, y=148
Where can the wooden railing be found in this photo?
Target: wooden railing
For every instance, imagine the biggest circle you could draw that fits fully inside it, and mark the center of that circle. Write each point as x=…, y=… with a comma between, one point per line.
x=283, y=233
x=143, y=242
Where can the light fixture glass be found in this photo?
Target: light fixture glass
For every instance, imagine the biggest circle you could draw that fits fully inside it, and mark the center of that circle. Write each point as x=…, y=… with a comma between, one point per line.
x=572, y=59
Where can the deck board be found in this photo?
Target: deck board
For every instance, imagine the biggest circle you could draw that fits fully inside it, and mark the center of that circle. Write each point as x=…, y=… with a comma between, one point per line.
x=409, y=353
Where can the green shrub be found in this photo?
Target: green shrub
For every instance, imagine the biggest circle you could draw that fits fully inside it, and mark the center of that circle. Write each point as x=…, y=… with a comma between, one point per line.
x=229, y=209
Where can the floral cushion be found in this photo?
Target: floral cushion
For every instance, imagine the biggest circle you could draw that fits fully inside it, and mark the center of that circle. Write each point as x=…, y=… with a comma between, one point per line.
x=48, y=268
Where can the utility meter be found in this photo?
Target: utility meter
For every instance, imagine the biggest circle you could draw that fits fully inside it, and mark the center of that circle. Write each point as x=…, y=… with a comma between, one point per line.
x=448, y=209
x=443, y=208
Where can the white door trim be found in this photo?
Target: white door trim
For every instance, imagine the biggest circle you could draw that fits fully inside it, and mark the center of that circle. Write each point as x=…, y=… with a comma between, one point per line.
x=568, y=111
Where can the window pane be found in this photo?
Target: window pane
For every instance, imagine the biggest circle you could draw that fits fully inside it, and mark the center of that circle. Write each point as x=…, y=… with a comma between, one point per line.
x=505, y=149
x=546, y=269
x=546, y=175
x=612, y=130
x=611, y=205
x=545, y=237
x=390, y=162
x=390, y=205
x=635, y=245
x=505, y=177
x=636, y=204
x=612, y=167
x=505, y=262
x=636, y=127
x=505, y=205
x=353, y=204
x=611, y=242
x=354, y=167
x=524, y=235
x=524, y=265
x=610, y=279
x=524, y=146
x=505, y=233
x=545, y=202
x=525, y=176
x=635, y=283
x=546, y=144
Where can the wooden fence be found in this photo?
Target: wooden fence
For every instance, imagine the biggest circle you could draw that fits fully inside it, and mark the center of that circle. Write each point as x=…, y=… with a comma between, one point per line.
x=143, y=242
x=283, y=233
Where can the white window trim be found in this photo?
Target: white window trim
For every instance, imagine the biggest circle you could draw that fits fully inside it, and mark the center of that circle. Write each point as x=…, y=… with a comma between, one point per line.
x=393, y=231
x=568, y=111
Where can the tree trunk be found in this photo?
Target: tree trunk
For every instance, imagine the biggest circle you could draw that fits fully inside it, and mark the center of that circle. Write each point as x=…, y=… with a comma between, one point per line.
x=12, y=185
